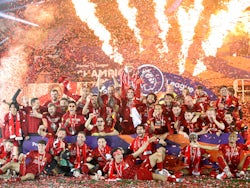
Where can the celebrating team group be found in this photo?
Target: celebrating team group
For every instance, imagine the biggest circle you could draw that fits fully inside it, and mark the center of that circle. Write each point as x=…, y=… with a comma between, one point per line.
x=123, y=110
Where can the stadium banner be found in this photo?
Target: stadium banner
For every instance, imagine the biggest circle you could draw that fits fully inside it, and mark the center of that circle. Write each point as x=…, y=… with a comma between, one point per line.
x=155, y=81
x=174, y=142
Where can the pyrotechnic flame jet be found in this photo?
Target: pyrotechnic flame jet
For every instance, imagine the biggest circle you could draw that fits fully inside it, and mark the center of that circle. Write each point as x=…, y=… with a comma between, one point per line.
x=163, y=23
x=130, y=15
x=199, y=67
x=17, y=19
x=222, y=23
x=12, y=73
x=86, y=12
x=187, y=21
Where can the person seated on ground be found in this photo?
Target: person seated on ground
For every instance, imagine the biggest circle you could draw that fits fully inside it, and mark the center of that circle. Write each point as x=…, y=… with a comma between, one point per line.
x=56, y=146
x=139, y=140
x=234, y=160
x=121, y=167
x=102, y=154
x=99, y=128
x=6, y=150
x=37, y=161
x=73, y=122
x=193, y=158
x=14, y=123
x=52, y=119
x=79, y=156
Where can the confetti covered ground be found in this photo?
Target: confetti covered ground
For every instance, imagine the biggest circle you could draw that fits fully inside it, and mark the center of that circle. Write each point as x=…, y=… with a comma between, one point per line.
x=188, y=181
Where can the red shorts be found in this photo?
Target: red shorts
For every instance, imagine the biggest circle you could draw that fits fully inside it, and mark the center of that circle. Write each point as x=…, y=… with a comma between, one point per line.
x=32, y=171
x=24, y=170
x=144, y=174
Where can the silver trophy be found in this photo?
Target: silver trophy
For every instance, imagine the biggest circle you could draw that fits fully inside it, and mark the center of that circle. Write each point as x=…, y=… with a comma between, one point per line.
x=72, y=130
x=53, y=127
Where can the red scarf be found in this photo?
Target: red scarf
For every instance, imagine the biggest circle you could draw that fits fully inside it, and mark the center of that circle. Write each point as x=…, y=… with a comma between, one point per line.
x=57, y=147
x=113, y=166
x=192, y=157
x=139, y=142
x=22, y=171
x=79, y=155
x=104, y=151
x=40, y=162
x=15, y=130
